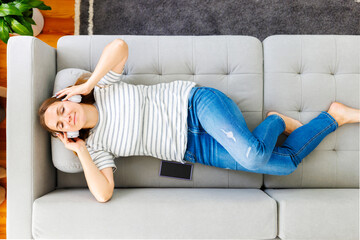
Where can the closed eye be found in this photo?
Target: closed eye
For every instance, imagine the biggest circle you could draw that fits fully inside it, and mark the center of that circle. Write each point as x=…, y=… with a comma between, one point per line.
x=61, y=125
x=62, y=112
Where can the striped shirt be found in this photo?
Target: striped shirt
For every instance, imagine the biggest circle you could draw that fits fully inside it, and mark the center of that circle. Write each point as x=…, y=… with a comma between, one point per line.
x=137, y=120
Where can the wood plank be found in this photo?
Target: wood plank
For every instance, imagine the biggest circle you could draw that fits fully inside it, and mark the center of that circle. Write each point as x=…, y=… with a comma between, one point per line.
x=3, y=220
x=3, y=80
x=3, y=183
x=2, y=135
x=61, y=9
x=3, y=74
x=3, y=163
x=2, y=128
x=53, y=25
x=3, y=122
x=2, y=154
x=3, y=49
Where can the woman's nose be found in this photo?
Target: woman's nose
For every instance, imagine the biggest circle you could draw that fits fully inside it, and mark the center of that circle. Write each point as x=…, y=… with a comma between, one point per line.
x=67, y=118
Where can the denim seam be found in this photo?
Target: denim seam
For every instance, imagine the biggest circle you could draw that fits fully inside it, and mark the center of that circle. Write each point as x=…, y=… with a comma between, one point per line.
x=307, y=143
x=332, y=119
x=191, y=104
x=313, y=139
x=281, y=120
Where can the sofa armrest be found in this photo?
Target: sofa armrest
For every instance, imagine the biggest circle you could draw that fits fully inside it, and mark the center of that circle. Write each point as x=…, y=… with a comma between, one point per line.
x=31, y=70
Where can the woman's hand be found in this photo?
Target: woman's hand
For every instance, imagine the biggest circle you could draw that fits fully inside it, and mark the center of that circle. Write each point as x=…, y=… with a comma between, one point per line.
x=74, y=90
x=73, y=144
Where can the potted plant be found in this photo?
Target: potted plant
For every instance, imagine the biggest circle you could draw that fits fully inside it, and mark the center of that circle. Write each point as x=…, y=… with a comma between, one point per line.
x=17, y=17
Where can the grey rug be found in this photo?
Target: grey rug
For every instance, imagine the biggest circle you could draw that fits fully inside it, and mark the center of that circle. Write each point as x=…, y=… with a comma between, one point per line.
x=258, y=18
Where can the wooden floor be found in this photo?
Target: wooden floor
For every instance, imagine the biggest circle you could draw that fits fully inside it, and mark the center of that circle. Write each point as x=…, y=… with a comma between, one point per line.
x=59, y=21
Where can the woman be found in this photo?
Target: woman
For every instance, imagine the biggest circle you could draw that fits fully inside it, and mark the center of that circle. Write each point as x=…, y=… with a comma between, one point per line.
x=120, y=119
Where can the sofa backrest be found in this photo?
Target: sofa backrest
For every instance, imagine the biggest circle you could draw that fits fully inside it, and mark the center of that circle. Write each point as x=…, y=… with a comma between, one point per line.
x=231, y=64
x=303, y=75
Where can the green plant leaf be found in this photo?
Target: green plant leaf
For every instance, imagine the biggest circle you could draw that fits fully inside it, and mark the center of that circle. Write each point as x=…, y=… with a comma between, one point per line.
x=43, y=7
x=9, y=9
x=4, y=31
x=28, y=13
x=8, y=20
x=30, y=20
x=22, y=6
x=19, y=28
x=26, y=24
x=32, y=3
x=36, y=4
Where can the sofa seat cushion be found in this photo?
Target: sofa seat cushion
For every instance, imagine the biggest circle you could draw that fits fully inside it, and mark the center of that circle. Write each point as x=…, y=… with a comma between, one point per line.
x=154, y=213
x=317, y=213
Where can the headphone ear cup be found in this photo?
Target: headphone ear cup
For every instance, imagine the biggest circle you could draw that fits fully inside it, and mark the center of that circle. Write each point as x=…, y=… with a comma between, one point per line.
x=75, y=98
x=73, y=134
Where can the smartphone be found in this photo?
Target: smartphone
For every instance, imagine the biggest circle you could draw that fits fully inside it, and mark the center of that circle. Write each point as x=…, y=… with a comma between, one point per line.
x=176, y=170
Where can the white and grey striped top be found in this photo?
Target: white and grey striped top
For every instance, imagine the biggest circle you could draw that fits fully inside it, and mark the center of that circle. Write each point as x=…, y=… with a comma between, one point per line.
x=136, y=120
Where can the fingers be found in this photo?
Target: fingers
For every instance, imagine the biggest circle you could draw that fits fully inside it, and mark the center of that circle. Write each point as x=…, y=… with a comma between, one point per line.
x=67, y=97
x=60, y=136
x=72, y=91
x=63, y=137
x=63, y=92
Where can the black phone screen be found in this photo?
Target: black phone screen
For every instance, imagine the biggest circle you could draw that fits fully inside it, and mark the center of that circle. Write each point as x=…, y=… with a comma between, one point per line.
x=176, y=170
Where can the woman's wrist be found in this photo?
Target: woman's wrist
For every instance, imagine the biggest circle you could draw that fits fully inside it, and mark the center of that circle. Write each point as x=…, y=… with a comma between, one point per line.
x=81, y=149
x=89, y=86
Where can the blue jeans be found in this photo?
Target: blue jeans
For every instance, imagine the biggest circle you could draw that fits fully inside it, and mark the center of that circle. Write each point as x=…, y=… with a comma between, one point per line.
x=218, y=136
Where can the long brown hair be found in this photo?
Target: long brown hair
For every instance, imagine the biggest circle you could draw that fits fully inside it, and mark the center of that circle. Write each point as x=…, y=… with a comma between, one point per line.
x=87, y=99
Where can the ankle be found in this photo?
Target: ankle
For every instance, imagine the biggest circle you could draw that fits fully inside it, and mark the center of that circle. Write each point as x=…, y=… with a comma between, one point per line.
x=340, y=121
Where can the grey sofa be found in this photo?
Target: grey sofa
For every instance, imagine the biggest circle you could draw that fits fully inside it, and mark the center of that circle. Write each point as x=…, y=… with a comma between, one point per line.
x=296, y=75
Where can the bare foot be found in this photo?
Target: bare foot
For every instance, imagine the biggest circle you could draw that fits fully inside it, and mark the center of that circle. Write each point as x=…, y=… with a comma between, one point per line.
x=344, y=114
x=291, y=124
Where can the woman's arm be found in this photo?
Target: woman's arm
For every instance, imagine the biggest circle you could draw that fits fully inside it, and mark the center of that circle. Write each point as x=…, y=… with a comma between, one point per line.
x=100, y=185
x=113, y=57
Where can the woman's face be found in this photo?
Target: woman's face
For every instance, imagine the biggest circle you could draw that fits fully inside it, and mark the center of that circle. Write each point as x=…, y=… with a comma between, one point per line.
x=65, y=116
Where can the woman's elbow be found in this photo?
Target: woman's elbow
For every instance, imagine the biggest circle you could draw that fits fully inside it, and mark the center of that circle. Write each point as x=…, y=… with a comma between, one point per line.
x=120, y=43
x=105, y=197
